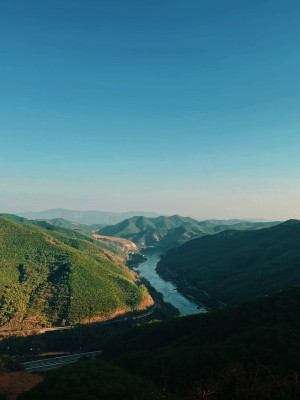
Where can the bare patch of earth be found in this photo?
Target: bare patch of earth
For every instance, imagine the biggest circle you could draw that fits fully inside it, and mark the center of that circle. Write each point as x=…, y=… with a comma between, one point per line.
x=15, y=383
x=127, y=244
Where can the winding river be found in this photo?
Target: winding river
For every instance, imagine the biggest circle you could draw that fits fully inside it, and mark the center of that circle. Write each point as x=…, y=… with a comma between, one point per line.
x=147, y=269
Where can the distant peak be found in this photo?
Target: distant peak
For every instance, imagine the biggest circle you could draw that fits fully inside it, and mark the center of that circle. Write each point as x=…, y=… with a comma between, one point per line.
x=291, y=222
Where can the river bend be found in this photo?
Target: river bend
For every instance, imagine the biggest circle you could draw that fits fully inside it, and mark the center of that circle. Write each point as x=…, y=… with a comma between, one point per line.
x=147, y=269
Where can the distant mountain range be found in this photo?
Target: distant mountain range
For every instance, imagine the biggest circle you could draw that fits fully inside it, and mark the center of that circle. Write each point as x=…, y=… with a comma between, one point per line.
x=86, y=217
x=236, y=265
x=65, y=223
x=174, y=230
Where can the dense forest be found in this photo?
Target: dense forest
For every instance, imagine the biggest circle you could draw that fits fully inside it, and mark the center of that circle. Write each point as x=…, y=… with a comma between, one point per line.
x=233, y=266
x=264, y=330
x=245, y=352
x=59, y=276
x=172, y=231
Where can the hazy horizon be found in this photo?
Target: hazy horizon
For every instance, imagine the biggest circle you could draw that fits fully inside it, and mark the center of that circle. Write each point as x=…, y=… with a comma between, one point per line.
x=20, y=212
x=174, y=107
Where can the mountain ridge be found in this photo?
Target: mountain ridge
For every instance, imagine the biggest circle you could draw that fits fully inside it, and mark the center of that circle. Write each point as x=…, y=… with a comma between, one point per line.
x=171, y=231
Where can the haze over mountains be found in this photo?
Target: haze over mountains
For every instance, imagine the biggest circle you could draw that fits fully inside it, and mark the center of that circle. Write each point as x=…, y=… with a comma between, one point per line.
x=56, y=224
x=86, y=217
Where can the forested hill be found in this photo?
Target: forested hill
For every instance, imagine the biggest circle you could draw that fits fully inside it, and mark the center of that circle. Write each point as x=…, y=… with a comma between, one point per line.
x=245, y=352
x=255, y=343
x=174, y=230
x=48, y=278
x=236, y=265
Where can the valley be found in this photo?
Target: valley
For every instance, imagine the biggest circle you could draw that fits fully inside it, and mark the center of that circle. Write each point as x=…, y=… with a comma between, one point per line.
x=71, y=289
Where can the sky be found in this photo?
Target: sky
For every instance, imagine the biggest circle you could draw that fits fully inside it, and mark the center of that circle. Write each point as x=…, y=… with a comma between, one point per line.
x=188, y=107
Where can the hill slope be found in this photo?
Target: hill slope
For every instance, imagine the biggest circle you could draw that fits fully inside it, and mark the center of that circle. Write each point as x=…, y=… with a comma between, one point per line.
x=191, y=349
x=48, y=278
x=246, y=352
x=172, y=231
x=113, y=250
x=235, y=265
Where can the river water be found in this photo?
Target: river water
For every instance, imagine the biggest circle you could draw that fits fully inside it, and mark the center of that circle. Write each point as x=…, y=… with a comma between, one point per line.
x=168, y=289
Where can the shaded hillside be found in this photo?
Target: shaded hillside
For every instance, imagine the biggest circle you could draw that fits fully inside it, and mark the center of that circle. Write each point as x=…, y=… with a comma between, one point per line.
x=86, y=217
x=172, y=231
x=94, y=380
x=235, y=265
x=246, y=352
x=256, y=337
x=48, y=278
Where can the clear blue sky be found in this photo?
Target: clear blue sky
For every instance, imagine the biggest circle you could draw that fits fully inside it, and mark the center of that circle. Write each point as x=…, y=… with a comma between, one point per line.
x=187, y=107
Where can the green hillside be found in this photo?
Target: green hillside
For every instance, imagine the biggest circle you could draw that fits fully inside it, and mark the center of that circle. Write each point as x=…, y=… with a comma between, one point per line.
x=48, y=278
x=236, y=265
x=111, y=250
x=59, y=222
x=173, y=231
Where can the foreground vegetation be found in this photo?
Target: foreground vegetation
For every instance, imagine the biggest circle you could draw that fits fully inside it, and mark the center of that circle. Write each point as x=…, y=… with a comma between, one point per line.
x=93, y=379
x=262, y=331
x=246, y=352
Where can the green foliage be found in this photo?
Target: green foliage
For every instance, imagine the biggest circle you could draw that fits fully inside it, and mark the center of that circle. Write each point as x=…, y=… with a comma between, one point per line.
x=79, y=239
x=60, y=278
x=174, y=230
x=246, y=352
